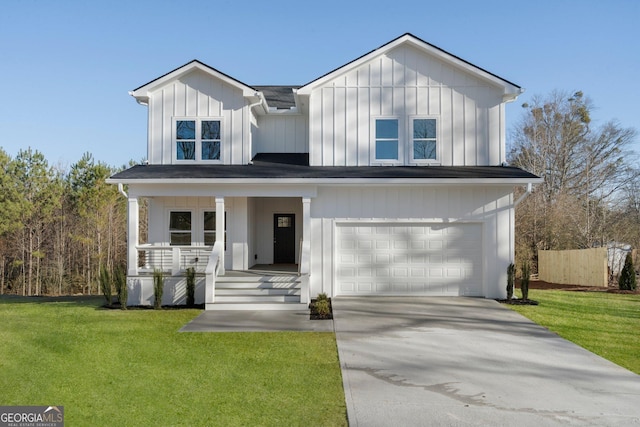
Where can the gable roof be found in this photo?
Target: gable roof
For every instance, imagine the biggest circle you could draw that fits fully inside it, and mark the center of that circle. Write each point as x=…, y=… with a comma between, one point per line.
x=142, y=93
x=511, y=90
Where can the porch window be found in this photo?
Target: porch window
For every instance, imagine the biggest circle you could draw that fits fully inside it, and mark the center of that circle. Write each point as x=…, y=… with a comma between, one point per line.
x=424, y=139
x=180, y=228
x=210, y=228
x=198, y=139
x=387, y=139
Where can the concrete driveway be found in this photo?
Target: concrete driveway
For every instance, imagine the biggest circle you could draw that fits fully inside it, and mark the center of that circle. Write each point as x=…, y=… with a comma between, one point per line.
x=471, y=362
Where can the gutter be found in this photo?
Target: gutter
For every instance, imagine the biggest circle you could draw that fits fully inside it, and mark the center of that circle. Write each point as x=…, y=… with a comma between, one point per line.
x=524, y=196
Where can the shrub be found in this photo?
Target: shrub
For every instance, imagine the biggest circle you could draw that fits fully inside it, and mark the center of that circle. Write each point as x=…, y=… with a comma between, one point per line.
x=322, y=308
x=627, y=280
x=158, y=288
x=191, y=286
x=120, y=280
x=105, y=284
x=511, y=279
x=524, y=282
x=322, y=297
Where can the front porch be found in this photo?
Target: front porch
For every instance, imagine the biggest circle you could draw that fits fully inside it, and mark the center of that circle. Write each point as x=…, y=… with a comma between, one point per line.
x=261, y=287
x=226, y=239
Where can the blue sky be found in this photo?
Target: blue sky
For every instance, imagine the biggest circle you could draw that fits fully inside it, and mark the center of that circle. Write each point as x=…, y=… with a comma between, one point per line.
x=66, y=66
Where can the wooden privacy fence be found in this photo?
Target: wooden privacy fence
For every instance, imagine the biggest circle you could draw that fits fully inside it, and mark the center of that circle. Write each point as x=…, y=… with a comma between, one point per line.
x=586, y=267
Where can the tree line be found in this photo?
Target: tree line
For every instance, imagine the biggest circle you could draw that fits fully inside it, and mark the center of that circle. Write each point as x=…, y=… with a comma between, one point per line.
x=58, y=227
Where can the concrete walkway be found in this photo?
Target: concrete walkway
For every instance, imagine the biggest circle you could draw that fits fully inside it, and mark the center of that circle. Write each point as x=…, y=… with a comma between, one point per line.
x=256, y=321
x=471, y=362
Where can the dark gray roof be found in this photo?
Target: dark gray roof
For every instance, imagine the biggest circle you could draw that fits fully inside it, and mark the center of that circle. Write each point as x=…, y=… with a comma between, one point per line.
x=280, y=166
x=280, y=97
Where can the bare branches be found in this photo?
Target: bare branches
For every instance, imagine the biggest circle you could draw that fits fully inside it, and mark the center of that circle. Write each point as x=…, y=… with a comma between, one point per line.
x=586, y=170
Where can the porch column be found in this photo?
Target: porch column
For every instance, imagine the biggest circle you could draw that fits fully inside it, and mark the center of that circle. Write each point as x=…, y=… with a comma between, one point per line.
x=132, y=234
x=306, y=219
x=220, y=226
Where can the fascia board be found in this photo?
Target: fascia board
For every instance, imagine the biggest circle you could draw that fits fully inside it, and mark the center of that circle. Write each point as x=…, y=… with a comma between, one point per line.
x=142, y=92
x=333, y=181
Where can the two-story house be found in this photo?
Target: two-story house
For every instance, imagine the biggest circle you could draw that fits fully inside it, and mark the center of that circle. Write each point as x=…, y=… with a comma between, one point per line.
x=385, y=176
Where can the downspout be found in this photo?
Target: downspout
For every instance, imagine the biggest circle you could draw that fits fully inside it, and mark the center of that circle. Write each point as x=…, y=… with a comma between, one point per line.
x=524, y=196
x=121, y=190
x=261, y=101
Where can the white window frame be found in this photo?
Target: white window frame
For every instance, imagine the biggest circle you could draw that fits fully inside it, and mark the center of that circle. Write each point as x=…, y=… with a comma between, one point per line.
x=410, y=141
x=374, y=141
x=198, y=140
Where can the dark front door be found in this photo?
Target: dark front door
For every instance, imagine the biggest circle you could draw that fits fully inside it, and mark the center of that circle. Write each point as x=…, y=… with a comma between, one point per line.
x=284, y=239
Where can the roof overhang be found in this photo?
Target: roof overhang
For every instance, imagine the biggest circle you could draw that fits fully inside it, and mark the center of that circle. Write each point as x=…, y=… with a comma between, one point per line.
x=295, y=173
x=331, y=181
x=141, y=94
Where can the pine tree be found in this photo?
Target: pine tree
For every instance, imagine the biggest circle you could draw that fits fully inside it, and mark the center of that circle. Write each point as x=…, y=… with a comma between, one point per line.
x=627, y=280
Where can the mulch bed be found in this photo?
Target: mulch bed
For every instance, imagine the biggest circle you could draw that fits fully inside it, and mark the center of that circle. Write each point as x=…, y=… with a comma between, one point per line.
x=540, y=284
x=313, y=314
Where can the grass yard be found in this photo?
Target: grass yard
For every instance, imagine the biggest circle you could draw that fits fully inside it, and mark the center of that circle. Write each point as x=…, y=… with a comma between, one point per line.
x=603, y=323
x=113, y=367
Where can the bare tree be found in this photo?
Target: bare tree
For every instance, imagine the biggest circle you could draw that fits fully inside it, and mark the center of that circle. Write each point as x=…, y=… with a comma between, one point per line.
x=584, y=168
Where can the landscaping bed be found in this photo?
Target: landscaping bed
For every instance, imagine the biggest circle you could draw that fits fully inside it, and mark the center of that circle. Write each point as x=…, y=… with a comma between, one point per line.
x=322, y=314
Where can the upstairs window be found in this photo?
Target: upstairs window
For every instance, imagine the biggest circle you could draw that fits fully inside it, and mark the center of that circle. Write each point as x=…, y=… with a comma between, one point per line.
x=198, y=139
x=386, y=139
x=424, y=139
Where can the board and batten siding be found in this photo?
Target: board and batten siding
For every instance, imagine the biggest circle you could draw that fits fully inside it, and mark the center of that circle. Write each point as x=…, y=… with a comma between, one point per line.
x=198, y=95
x=404, y=83
x=490, y=206
x=281, y=133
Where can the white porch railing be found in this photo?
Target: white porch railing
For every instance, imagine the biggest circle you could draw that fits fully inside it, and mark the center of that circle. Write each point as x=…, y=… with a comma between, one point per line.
x=172, y=259
x=211, y=273
x=304, y=270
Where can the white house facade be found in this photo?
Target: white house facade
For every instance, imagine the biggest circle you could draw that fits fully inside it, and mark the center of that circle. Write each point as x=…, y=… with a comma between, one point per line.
x=385, y=176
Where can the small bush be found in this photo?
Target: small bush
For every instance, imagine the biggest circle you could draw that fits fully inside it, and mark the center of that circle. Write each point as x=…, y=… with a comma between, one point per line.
x=322, y=297
x=191, y=286
x=120, y=280
x=158, y=288
x=511, y=279
x=524, y=282
x=105, y=284
x=322, y=308
x=627, y=280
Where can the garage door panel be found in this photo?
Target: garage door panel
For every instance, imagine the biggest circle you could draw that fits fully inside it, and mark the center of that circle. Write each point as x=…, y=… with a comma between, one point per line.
x=409, y=259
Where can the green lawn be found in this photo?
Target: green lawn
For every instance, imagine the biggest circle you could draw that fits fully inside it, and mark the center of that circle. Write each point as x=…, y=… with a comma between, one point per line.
x=606, y=324
x=132, y=368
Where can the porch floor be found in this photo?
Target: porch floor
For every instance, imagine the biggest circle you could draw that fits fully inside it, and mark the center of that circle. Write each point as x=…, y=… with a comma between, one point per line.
x=264, y=269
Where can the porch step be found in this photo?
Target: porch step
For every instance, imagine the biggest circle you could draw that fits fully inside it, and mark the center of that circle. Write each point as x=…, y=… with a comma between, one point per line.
x=248, y=297
x=257, y=291
x=257, y=279
x=260, y=291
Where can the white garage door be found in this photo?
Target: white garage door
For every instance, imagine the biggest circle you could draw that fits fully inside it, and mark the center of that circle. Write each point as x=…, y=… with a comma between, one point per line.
x=409, y=259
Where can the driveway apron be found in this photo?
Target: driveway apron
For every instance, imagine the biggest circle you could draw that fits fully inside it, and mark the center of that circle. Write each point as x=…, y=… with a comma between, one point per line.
x=471, y=362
